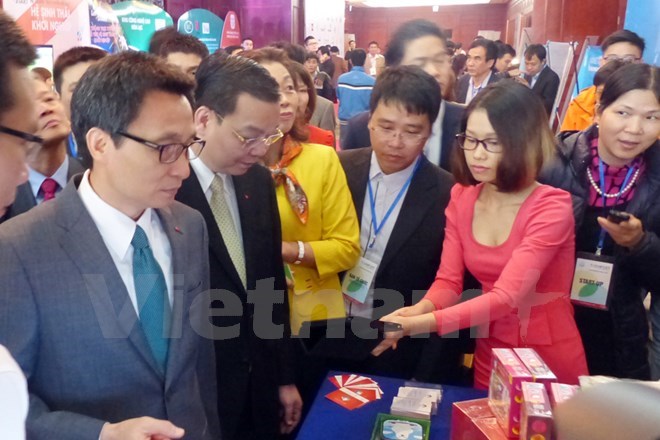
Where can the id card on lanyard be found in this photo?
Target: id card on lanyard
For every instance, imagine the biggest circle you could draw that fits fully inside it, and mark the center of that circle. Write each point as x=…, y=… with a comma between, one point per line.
x=594, y=272
x=358, y=280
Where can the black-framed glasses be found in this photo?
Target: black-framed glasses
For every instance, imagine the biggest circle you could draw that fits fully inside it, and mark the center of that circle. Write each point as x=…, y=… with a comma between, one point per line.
x=168, y=153
x=21, y=135
x=470, y=143
x=388, y=134
x=249, y=143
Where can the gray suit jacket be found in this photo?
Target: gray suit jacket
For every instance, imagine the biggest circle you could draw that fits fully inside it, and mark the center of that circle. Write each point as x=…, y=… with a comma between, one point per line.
x=324, y=114
x=68, y=320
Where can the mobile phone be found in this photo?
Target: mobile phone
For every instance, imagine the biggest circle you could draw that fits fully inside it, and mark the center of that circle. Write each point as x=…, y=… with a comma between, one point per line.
x=385, y=327
x=617, y=217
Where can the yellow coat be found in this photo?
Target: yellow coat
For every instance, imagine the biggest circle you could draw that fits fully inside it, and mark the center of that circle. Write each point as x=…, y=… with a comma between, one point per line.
x=332, y=231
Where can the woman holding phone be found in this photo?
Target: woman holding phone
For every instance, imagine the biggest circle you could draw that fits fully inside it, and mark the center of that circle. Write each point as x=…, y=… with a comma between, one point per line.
x=614, y=165
x=512, y=233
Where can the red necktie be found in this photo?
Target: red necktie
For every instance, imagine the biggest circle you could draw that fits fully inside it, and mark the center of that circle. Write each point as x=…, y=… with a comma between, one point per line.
x=48, y=188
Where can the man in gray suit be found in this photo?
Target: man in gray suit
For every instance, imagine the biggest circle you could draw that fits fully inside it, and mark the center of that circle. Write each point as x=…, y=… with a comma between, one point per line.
x=102, y=289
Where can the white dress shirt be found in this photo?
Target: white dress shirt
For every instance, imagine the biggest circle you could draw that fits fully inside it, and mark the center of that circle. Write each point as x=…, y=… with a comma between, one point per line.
x=13, y=398
x=433, y=147
x=117, y=230
x=36, y=179
x=472, y=90
x=386, y=188
x=205, y=177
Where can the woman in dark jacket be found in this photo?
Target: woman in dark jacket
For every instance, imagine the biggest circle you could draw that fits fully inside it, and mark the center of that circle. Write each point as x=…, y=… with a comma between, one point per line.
x=615, y=164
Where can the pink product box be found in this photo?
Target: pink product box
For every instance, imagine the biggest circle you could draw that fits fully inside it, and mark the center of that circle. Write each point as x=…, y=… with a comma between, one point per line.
x=561, y=392
x=536, y=415
x=505, y=390
x=540, y=371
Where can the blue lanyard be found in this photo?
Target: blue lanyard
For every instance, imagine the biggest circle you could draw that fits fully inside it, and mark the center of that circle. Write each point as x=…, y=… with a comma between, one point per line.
x=372, y=203
x=601, y=175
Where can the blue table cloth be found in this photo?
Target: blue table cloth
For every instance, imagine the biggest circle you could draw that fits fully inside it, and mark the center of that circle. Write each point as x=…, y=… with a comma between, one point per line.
x=327, y=420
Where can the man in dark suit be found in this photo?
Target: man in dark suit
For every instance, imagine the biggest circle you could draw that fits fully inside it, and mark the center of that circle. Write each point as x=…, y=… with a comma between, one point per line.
x=237, y=115
x=394, y=176
x=103, y=289
x=480, y=65
x=49, y=166
x=540, y=77
x=420, y=43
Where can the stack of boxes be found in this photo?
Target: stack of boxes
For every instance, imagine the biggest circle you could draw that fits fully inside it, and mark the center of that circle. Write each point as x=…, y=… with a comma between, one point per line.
x=522, y=393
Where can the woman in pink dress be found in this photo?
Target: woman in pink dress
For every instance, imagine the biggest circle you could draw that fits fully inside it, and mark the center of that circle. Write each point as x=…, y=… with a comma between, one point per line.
x=513, y=234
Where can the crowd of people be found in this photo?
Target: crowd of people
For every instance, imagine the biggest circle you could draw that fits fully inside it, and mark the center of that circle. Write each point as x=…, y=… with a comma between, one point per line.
x=171, y=220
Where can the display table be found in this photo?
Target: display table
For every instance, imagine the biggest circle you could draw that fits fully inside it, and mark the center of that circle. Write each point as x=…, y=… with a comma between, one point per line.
x=327, y=420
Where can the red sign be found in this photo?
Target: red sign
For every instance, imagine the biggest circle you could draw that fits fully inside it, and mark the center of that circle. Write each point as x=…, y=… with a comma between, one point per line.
x=231, y=32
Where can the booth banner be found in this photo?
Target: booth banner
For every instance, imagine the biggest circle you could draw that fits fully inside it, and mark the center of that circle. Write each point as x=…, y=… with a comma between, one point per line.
x=231, y=33
x=105, y=30
x=325, y=21
x=60, y=23
x=204, y=25
x=139, y=21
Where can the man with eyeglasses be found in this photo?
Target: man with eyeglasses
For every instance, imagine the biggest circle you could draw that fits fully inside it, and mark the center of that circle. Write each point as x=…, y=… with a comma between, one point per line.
x=49, y=165
x=237, y=115
x=103, y=290
x=400, y=198
x=623, y=46
x=17, y=123
x=417, y=43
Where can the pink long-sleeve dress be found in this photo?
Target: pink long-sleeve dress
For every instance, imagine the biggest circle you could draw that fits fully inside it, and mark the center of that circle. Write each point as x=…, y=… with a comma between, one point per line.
x=526, y=282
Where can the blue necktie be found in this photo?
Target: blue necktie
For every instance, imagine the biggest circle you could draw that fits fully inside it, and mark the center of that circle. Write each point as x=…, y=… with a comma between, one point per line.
x=153, y=302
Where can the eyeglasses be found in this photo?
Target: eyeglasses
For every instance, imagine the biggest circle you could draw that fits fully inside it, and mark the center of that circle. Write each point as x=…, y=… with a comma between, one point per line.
x=409, y=139
x=625, y=58
x=470, y=143
x=168, y=153
x=250, y=143
x=21, y=135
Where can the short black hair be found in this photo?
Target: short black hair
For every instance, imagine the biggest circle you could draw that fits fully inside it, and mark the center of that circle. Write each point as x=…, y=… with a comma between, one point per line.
x=184, y=44
x=606, y=70
x=247, y=38
x=17, y=52
x=73, y=56
x=525, y=149
x=488, y=45
x=221, y=79
x=535, y=49
x=623, y=36
x=230, y=49
x=159, y=37
x=295, y=52
x=628, y=78
x=324, y=50
x=358, y=57
x=407, y=32
x=373, y=42
x=110, y=94
x=312, y=55
x=307, y=38
x=409, y=86
x=334, y=49
x=505, y=49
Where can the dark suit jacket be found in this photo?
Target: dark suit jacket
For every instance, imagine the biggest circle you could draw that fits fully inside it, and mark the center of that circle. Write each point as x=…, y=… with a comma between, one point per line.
x=357, y=132
x=463, y=84
x=250, y=367
x=546, y=87
x=68, y=320
x=409, y=265
x=25, y=198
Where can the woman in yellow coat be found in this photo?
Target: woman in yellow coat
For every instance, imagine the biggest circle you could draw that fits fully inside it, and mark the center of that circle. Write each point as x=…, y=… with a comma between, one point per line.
x=320, y=231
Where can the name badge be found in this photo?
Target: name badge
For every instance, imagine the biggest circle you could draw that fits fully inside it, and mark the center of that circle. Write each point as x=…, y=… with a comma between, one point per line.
x=592, y=280
x=358, y=280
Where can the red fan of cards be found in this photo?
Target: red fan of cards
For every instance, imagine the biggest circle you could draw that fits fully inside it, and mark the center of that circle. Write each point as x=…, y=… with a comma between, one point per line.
x=354, y=391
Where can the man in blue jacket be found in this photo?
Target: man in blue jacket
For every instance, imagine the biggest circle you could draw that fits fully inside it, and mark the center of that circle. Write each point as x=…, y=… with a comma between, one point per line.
x=354, y=89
